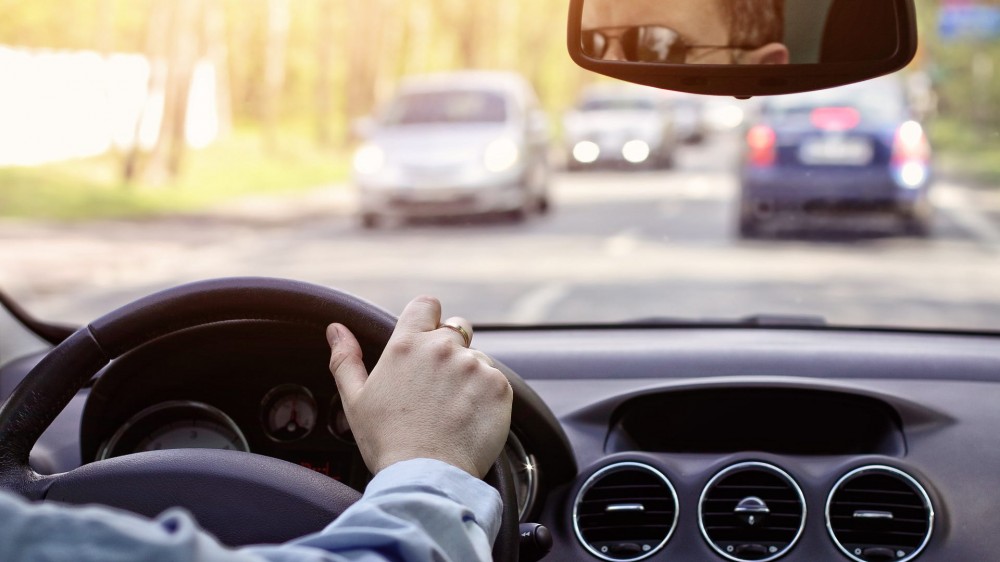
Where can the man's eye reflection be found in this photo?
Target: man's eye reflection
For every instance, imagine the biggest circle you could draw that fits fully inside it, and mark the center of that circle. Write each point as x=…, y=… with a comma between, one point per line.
x=685, y=32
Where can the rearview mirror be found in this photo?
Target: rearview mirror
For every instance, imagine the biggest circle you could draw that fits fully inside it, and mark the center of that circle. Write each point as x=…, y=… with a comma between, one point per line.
x=742, y=47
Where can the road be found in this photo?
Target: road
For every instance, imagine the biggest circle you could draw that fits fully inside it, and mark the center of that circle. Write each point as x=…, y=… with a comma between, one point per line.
x=617, y=246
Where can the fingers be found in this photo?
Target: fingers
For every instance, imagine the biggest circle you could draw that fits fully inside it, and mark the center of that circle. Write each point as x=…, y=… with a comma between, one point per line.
x=423, y=314
x=346, y=361
x=460, y=328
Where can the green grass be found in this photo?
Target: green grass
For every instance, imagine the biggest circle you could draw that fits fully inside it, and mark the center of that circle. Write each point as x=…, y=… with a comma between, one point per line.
x=236, y=167
x=966, y=153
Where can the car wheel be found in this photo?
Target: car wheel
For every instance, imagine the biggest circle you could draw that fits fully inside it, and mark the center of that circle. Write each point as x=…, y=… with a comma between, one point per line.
x=519, y=214
x=916, y=220
x=916, y=226
x=542, y=205
x=666, y=161
x=748, y=227
x=369, y=221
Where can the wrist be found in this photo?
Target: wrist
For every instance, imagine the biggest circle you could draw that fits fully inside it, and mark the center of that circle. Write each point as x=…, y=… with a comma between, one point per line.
x=395, y=457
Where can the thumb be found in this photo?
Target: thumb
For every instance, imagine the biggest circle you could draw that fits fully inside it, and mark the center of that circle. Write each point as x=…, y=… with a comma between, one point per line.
x=345, y=361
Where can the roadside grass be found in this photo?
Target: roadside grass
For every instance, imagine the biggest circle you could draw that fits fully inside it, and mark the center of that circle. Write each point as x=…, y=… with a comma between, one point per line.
x=966, y=153
x=232, y=168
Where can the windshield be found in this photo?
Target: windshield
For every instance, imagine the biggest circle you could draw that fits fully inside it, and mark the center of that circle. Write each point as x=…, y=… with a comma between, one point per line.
x=446, y=107
x=149, y=144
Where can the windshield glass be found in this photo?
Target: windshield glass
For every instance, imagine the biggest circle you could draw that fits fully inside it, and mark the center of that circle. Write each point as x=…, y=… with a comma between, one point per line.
x=146, y=144
x=446, y=107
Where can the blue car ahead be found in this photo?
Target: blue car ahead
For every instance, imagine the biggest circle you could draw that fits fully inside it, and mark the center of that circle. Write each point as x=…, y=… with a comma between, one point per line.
x=841, y=152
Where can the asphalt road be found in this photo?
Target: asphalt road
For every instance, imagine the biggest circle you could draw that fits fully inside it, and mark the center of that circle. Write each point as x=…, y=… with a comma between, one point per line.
x=617, y=246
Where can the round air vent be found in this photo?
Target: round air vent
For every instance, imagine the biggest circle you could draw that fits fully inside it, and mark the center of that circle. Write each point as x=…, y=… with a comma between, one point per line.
x=879, y=513
x=752, y=511
x=624, y=512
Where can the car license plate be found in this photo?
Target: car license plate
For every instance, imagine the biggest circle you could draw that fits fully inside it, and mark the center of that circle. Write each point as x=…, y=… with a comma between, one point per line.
x=837, y=151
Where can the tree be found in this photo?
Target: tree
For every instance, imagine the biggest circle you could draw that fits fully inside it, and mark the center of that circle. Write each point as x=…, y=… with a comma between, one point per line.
x=278, y=22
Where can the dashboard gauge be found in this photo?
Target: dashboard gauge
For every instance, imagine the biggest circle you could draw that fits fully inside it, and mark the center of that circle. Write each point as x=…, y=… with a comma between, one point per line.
x=288, y=412
x=337, y=422
x=175, y=425
x=191, y=434
x=525, y=475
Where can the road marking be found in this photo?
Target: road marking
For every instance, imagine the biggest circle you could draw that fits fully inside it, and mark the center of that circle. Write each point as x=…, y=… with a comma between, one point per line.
x=535, y=306
x=623, y=243
x=956, y=204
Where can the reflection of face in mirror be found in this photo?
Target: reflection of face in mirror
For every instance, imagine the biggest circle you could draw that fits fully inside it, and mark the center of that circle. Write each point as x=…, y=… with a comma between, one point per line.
x=685, y=31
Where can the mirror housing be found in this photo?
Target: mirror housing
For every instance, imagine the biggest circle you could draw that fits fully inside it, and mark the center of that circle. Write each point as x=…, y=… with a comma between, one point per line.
x=848, y=29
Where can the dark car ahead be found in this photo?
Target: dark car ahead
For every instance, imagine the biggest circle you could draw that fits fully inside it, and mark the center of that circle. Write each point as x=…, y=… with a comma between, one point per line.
x=839, y=153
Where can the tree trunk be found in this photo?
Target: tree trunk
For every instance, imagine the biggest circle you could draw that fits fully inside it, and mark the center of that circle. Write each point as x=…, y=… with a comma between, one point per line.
x=217, y=51
x=362, y=58
x=158, y=26
x=324, y=72
x=278, y=22
x=105, y=35
x=182, y=50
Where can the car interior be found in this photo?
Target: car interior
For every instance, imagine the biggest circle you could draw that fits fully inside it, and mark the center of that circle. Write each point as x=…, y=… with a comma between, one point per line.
x=763, y=438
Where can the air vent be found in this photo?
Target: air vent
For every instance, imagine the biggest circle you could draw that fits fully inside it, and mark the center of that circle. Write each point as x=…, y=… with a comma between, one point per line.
x=879, y=513
x=752, y=511
x=625, y=512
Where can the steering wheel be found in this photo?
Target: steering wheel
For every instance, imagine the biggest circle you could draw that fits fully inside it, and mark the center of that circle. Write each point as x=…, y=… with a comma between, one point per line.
x=245, y=489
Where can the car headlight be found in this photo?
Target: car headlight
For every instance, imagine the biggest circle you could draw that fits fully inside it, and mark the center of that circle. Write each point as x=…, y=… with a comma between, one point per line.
x=586, y=152
x=369, y=159
x=501, y=155
x=636, y=151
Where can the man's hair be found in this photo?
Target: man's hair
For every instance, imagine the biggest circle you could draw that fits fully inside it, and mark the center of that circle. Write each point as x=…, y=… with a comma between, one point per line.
x=755, y=23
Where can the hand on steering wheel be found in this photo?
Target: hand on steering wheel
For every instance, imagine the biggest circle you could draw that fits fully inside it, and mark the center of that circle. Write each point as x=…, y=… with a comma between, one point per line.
x=428, y=397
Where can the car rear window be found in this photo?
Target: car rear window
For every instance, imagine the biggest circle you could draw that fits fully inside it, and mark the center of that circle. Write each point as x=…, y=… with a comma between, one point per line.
x=617, y=104
x=879, y=101
x=447, y=107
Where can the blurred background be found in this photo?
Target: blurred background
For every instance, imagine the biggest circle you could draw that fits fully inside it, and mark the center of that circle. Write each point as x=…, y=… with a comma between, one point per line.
x=139, y=83
x=274, y=84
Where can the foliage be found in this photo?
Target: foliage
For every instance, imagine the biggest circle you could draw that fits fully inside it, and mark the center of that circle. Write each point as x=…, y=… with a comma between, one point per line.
x=235, y=167
x=378, y=39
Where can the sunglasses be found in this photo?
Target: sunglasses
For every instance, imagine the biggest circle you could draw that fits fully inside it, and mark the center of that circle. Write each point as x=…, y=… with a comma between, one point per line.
x=643, y=43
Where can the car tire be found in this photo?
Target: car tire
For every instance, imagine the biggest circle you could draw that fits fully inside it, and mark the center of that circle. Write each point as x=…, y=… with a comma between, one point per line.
x=916, y=220
x=543, y=206
x=917, y=226
x=370, y=221
x=666, y=161
x=748, y=227
x=518, y=215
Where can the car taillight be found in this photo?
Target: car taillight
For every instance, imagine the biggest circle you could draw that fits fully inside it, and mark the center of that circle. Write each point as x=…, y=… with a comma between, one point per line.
x=910, y=144
x=835, y=118
x=911, y=154
x=762, y=140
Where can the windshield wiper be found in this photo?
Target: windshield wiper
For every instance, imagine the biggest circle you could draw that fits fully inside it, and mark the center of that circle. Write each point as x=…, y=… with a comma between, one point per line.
x=756, y=321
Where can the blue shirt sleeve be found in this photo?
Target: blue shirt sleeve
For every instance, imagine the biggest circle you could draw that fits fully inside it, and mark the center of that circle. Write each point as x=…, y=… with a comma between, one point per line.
x=418, y=510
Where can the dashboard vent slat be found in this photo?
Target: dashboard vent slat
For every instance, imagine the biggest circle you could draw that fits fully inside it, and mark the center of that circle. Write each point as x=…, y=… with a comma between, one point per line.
x=751, y=511
x=625, y=535
x=879, y=489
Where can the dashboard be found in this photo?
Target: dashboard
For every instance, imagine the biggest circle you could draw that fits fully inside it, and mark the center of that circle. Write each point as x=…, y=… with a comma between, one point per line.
x=679, y=443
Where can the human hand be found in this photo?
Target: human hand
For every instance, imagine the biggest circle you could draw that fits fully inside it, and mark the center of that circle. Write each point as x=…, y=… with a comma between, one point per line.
x=428, y=396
